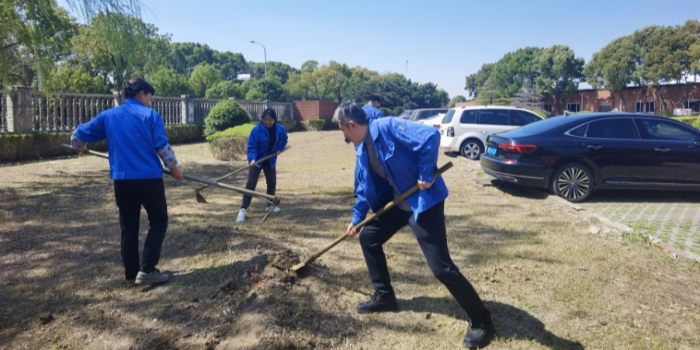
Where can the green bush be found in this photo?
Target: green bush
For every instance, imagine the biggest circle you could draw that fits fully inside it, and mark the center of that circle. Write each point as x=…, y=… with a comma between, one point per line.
x=236, y=131
x=184, y=133
x=290, y=125
x=315, y=124
x=224, y=115
x=692, y=121
x=229, y=147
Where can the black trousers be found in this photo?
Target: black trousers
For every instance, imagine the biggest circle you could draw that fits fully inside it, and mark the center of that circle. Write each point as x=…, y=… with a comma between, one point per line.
x=130, y=196
x=252, y=182
x=432, y=236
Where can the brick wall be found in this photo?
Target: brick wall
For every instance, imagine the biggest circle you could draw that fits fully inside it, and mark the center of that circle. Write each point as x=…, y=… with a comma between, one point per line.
x=305, y=110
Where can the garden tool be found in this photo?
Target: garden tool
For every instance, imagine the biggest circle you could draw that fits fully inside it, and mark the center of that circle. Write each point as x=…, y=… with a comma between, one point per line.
x=272, y=200
x=364, y=222
x=200, y=198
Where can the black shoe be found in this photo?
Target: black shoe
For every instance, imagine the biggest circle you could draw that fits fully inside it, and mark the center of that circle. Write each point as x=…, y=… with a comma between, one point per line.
x=479, y=334
x=378, y=303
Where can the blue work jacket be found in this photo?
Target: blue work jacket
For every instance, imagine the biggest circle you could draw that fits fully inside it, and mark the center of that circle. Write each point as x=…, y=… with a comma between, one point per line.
x=259, y=140
x=408, y=152
x=372, y=112
x=134, y=132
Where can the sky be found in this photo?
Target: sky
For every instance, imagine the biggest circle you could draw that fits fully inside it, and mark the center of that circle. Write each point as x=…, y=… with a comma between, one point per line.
x=436, y=41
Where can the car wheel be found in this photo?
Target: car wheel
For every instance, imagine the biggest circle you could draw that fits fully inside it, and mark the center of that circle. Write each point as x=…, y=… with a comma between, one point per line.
x=573, y=182
x=472, y=149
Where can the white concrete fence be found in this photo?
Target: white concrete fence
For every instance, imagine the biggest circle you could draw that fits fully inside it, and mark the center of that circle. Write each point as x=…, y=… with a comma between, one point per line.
x=25, y=111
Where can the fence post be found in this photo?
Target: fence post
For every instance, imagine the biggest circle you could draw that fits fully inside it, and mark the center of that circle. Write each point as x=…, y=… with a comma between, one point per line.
x=268, y=104
x=20, y=114
x=187, y=109
x=117, y=98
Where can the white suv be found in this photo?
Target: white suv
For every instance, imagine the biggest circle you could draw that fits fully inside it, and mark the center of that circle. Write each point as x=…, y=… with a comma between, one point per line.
x=465, y=129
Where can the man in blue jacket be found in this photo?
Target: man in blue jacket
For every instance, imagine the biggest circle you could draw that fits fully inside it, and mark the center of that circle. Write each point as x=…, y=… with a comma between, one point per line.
x=393, y=155
x=136, y=139
x=373, y=112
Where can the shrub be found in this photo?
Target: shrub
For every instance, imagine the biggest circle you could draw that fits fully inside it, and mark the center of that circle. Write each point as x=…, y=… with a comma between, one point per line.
x=231, y=143
x=224, y=115
x=290, y=125
x=228, y=147
x=184, y=133
x=236, y=131
x=315, y=124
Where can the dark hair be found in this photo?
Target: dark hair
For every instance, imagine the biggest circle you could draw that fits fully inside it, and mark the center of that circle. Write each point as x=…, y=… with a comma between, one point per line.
x=374, y=98
x=134, y=86
x=271, y=112
x=350, y=111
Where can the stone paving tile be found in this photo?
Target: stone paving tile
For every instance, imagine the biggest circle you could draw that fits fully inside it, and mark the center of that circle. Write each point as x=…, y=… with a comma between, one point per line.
x=671, y=217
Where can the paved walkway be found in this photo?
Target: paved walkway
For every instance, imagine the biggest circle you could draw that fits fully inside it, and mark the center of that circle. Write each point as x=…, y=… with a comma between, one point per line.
x=671, y=217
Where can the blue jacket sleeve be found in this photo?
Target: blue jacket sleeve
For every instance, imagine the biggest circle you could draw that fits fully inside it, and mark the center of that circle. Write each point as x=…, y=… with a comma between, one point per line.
x=361, y=207
x=420, y=138
x=283, y=139
x=160, y=138
x=92, y=131
x=253, y=144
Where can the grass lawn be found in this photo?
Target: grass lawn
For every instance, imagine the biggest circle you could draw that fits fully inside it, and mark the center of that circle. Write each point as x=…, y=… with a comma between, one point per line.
x=548, y=282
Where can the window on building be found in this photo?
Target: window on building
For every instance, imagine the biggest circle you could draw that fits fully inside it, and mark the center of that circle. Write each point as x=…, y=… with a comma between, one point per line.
x=573, y=107
x=547, y=107
x=693, y=105
x=642, y=107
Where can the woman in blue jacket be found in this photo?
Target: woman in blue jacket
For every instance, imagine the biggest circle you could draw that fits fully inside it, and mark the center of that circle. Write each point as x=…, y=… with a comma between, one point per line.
x=266, y=138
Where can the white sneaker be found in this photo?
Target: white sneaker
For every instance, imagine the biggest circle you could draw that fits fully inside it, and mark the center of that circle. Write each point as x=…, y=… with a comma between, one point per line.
x=274, y=209
x=241, y=215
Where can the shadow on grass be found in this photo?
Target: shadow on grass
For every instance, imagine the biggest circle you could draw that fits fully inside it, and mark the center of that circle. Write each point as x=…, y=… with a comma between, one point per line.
x=511, y=323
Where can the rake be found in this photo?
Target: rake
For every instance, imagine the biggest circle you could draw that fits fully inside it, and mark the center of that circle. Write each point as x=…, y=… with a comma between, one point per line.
x=364, y=222
x=273, y=200
x=201, y=199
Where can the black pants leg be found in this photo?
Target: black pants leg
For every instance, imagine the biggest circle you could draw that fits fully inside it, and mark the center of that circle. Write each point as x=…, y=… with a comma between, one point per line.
x=130, y=195
x=270, y=178
x=432, y=237
x=372, y=237
x=252, y=182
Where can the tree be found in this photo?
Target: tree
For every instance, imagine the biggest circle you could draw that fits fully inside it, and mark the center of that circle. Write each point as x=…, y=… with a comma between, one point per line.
x=611, y=68
x=229, y=64
x=516, y=70
x=168, y=82
x=38, y=32
x=74, y=78
x=454, y=100
x=225, y=89
x=203, y=77
x=477, y=80
x=34, y=35
x=185, y=56
x=560, y=73
x=275, y=70
x=121, y=46
x=266, y=89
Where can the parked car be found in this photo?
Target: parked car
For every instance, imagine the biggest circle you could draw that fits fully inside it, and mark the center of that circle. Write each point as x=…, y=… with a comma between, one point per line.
x=574, y=155
x=421, y=113
x=465, y=129
x=435, y=121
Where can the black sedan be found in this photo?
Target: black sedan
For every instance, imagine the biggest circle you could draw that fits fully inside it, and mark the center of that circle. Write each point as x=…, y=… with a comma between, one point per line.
x=573, y=155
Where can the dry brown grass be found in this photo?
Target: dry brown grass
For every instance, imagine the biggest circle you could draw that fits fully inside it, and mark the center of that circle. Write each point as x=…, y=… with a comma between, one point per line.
x=549, y=284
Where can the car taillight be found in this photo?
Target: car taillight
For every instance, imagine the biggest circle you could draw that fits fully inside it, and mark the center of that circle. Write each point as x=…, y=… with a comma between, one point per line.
x=510, y=148
x=450, y=132
x=437, y=126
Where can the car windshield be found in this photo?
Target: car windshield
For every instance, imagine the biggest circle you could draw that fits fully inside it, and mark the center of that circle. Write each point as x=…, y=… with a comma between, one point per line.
x=405, y=114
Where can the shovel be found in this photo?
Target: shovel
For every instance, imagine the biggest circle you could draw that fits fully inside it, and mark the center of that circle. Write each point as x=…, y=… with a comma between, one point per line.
x=273, y=200
x=364, y=222
x=200, y=198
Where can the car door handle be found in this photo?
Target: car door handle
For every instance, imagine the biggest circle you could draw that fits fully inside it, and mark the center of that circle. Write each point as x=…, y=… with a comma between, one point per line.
x=596, y=147
x=662, y=150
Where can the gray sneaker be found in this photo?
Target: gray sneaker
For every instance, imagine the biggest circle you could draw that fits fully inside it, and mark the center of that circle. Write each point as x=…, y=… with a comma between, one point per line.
x=151, y=277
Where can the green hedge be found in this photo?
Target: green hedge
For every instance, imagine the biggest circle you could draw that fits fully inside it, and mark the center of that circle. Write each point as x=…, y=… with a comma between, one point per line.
x=692, y=121
x=17, y=147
